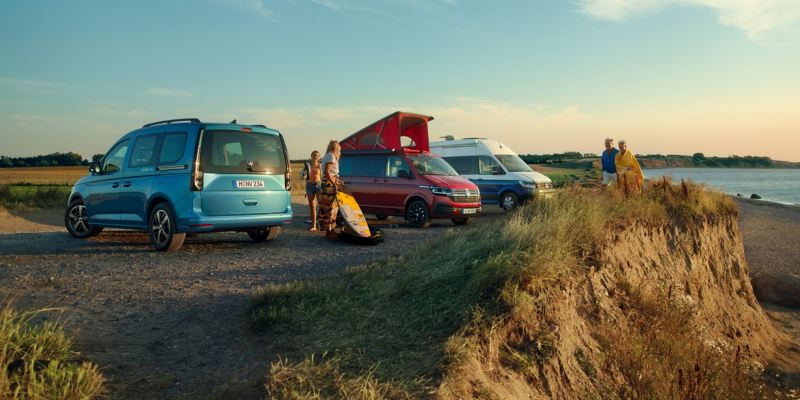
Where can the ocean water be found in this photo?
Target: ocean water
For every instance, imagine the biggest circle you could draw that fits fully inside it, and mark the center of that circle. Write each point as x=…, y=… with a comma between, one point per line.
x=778, y=185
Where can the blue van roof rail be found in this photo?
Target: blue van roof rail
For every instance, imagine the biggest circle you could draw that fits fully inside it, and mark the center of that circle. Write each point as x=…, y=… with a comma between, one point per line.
x=169, y=121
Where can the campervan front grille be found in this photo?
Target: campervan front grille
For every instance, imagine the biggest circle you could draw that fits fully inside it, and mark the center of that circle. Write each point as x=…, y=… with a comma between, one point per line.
x=466, y=195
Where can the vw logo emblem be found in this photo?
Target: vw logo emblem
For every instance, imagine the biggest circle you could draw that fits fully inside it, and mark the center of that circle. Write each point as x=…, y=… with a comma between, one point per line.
x=250, y=163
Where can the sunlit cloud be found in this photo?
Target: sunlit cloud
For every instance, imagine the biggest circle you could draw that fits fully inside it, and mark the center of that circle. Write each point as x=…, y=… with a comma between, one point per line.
x=776, y=21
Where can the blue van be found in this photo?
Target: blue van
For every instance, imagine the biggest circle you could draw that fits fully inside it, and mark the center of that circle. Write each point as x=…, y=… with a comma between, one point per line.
x=181, y=176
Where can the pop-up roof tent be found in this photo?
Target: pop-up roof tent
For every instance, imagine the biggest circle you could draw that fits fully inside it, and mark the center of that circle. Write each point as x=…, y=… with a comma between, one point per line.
x=395, y=131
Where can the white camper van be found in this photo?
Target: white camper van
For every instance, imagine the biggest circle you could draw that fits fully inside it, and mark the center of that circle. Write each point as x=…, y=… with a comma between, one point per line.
x=500, y=174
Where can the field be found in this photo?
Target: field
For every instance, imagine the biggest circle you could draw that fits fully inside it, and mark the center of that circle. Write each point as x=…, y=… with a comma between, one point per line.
x=42, y=175
x=43, y=187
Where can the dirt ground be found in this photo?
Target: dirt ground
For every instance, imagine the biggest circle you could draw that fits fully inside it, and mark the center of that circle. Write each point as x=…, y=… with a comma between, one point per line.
x=175, y=325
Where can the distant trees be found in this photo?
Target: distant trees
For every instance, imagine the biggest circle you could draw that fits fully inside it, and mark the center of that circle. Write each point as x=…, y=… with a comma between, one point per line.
x=696, y=160
x=47, y=160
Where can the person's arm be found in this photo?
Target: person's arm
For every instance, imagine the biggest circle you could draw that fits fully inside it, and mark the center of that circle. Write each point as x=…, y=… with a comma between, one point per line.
x=328, y=167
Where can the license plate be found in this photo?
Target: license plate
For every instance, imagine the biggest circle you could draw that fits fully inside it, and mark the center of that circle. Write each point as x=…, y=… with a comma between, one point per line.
x=469, y=211
x=250, y=184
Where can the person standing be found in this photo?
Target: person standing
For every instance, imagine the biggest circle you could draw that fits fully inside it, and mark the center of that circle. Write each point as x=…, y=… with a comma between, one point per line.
x=607, y=163
x=311, y=174
x=328, y=208
x=629, y=174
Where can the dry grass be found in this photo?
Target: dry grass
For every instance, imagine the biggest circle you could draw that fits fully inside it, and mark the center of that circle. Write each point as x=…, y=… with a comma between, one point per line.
x=42, y=175
x=407, y=321
x=658, y=355
x=36, y=361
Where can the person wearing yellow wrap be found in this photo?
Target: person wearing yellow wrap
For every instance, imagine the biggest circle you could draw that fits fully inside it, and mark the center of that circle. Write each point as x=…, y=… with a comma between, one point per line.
x=629, y=174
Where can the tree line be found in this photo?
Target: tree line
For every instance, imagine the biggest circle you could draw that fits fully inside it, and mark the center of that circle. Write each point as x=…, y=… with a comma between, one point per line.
x=695, y=160
x=69, y=159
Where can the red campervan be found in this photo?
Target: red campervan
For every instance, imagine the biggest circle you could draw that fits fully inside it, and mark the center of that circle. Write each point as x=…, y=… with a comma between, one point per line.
x=389, y=169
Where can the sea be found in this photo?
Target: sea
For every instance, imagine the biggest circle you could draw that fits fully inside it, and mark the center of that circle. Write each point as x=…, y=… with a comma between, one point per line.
x=777, y=185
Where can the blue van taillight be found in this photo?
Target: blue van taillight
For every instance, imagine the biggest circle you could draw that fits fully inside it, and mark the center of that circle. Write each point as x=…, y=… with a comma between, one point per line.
x=197, y=181
x=287, y=180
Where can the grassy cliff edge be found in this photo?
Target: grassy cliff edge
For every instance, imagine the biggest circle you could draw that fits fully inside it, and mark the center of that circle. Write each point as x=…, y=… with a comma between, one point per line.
x=590, y=295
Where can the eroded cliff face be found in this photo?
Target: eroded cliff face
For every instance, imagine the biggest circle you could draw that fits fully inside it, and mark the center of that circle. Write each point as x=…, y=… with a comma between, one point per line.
x=655, y=311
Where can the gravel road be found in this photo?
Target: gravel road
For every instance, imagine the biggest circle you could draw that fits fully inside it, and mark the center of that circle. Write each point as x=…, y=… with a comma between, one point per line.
x=174, y=325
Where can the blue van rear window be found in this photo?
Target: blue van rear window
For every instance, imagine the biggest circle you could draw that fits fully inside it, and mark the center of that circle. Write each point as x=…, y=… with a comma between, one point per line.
x=237, y=152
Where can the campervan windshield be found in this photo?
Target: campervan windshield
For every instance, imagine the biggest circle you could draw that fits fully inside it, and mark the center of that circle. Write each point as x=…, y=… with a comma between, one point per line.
x=429, y=165
x=513, y=163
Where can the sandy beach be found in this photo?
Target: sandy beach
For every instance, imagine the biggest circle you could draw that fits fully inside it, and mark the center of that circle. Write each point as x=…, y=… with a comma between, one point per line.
x=771, y=236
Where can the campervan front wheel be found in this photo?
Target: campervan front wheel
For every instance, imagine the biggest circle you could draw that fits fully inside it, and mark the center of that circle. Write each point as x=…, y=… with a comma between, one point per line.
x=417, y=214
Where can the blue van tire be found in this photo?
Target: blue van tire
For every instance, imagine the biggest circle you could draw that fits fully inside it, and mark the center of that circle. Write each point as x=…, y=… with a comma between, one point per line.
x=162, y=229
x=76, y=221
x=265, y=234
x=417, y=214
x=509, y=201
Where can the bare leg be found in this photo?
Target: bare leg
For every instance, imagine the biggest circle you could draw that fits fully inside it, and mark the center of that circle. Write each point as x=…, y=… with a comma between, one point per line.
x=312, y=206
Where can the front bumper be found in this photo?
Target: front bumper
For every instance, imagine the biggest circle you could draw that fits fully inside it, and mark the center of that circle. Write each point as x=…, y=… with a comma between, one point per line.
x=446, y=208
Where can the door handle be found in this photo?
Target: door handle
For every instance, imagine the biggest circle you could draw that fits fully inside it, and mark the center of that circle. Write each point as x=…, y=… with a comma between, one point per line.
x=115, y=185
x=127, y=184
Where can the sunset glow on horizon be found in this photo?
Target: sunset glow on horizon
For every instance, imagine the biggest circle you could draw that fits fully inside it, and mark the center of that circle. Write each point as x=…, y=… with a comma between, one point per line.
x=671, y=77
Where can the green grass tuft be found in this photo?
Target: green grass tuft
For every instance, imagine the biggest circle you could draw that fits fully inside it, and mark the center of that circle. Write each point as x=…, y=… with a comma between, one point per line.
x=36, y=361
x=28, y=196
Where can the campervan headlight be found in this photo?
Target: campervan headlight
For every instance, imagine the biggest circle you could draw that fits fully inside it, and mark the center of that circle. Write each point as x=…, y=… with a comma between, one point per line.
x=441, y=191
x=528, y=184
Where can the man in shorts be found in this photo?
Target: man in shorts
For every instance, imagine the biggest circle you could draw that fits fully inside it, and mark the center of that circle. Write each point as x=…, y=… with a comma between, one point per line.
x=607, y=163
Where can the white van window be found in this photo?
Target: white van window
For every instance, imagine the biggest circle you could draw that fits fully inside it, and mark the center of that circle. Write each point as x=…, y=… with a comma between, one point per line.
x=465, y=165
x=513, y=163
x=488, y=166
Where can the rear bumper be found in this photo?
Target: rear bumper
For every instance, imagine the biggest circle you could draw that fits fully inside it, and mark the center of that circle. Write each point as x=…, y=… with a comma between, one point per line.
x=233, y=222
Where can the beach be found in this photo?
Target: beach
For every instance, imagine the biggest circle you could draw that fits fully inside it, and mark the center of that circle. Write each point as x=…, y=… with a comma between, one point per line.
x=771, y=236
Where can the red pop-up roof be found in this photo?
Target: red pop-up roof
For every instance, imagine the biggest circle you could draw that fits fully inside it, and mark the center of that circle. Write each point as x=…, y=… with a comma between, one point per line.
x=387, y=134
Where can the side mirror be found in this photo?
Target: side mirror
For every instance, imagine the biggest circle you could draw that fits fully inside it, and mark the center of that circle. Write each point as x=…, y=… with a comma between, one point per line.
x=497, y=170
x=404, y=174
x=94, y=167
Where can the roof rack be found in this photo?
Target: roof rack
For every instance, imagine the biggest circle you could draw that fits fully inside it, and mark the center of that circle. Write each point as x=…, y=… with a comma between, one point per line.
x=169, y=121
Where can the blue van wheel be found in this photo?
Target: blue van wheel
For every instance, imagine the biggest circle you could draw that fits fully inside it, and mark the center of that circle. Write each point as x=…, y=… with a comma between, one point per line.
x=77, y=222
x=163, y=231
x=265, y=234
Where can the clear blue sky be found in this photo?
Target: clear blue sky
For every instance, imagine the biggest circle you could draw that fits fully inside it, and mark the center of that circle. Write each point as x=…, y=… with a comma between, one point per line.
x=670, y=76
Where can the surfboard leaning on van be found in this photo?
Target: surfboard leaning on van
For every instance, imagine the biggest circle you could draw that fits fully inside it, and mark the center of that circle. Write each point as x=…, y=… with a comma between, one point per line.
x=502, y=177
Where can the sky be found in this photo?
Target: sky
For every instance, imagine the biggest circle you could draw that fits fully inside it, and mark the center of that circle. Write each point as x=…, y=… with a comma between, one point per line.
x=721, y=77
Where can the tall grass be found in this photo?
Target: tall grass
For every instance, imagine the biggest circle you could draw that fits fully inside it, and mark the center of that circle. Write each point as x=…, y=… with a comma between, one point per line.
x=27, y=196
x=37, y=361
x=405, y=321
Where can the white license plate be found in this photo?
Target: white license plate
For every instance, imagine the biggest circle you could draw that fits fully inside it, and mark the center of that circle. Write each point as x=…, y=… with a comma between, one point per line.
x=469, y=211
x=250, y=184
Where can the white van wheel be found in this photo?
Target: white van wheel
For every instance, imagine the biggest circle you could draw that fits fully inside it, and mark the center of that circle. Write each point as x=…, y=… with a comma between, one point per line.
x=509, y=201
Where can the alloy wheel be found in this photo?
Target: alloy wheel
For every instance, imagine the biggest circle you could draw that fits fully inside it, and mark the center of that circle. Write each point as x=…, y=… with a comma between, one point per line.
x=78, y=220
x=160, y=228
